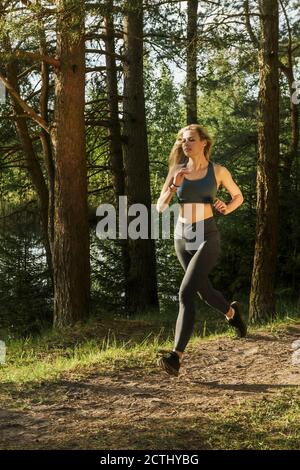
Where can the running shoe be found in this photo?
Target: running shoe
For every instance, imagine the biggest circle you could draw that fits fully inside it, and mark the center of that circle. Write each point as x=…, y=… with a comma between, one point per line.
x=169, y=362
x=237, y=320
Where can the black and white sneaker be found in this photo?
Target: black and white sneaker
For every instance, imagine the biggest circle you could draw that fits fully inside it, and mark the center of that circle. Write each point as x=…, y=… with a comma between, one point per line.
x=237, y=320
x=169, y=362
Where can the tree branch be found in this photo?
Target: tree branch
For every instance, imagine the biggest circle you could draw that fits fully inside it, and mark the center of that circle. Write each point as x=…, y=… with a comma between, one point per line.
x=91, y=36
x=290, y=43
x=101, y=51
x=33, y=7
x=253, y=38
x=31, y=113
x=99, y=69
x=31, y=56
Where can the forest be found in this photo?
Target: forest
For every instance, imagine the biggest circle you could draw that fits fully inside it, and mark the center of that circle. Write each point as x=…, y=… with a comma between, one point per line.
x=92, y=96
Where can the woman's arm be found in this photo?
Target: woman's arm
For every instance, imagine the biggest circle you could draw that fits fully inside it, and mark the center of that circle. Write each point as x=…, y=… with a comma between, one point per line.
x=175, y=176
x=166, y=193
x=234, y=191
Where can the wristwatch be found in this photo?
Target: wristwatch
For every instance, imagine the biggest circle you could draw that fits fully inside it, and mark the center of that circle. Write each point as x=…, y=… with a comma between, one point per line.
x=173, y=187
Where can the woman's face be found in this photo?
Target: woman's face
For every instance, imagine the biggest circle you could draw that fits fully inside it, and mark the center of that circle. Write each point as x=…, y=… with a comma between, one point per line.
x=192, y=145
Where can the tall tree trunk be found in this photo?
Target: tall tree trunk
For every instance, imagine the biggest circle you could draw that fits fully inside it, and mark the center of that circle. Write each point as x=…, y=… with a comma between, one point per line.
x=288, y=70
x=294, y=145
x=33, y=166
x=45, y=137
x=262, y=301
x=71, y=233
x=289, y=178
x=191, y=79
x=116, y=152
x=142, y=281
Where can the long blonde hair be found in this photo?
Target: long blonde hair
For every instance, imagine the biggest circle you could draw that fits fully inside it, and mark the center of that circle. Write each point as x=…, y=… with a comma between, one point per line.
x=177, y=156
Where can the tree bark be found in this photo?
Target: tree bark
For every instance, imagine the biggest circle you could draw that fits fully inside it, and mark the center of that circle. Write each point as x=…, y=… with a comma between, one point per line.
x=191, y=79
x=116, y=151
x=286, y=183
x=262, y=301
x=142, y=281
x=71, y=233
x=45, y=137
x=288, y=71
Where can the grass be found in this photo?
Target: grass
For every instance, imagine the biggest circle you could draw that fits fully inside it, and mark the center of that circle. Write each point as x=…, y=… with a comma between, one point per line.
x=114, y=344
x=109, y=343
x=267, y=425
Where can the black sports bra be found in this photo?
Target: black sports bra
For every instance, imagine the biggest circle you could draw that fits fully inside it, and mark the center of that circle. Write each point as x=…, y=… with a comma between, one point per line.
x=202, y=190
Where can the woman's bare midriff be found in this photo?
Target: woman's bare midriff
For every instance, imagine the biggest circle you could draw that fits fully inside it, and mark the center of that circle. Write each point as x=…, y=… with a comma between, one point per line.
x=194, y=212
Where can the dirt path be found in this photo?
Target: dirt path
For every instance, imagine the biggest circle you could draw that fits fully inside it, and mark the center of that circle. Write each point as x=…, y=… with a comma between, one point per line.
x=131, y=410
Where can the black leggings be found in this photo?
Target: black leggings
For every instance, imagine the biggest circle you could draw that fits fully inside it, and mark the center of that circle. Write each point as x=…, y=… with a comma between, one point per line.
x=197, y=263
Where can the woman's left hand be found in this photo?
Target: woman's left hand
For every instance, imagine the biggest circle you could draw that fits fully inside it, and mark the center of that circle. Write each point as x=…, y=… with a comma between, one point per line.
x=221, y=206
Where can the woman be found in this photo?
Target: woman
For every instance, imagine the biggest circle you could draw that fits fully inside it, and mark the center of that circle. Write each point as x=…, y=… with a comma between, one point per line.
x=196, y=180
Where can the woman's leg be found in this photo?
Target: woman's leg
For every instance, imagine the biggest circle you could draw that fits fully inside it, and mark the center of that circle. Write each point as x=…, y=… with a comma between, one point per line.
x=196, y=281
x=183, y=329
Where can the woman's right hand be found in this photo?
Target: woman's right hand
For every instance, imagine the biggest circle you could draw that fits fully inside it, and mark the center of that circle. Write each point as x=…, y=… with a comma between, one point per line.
x=179, y=175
